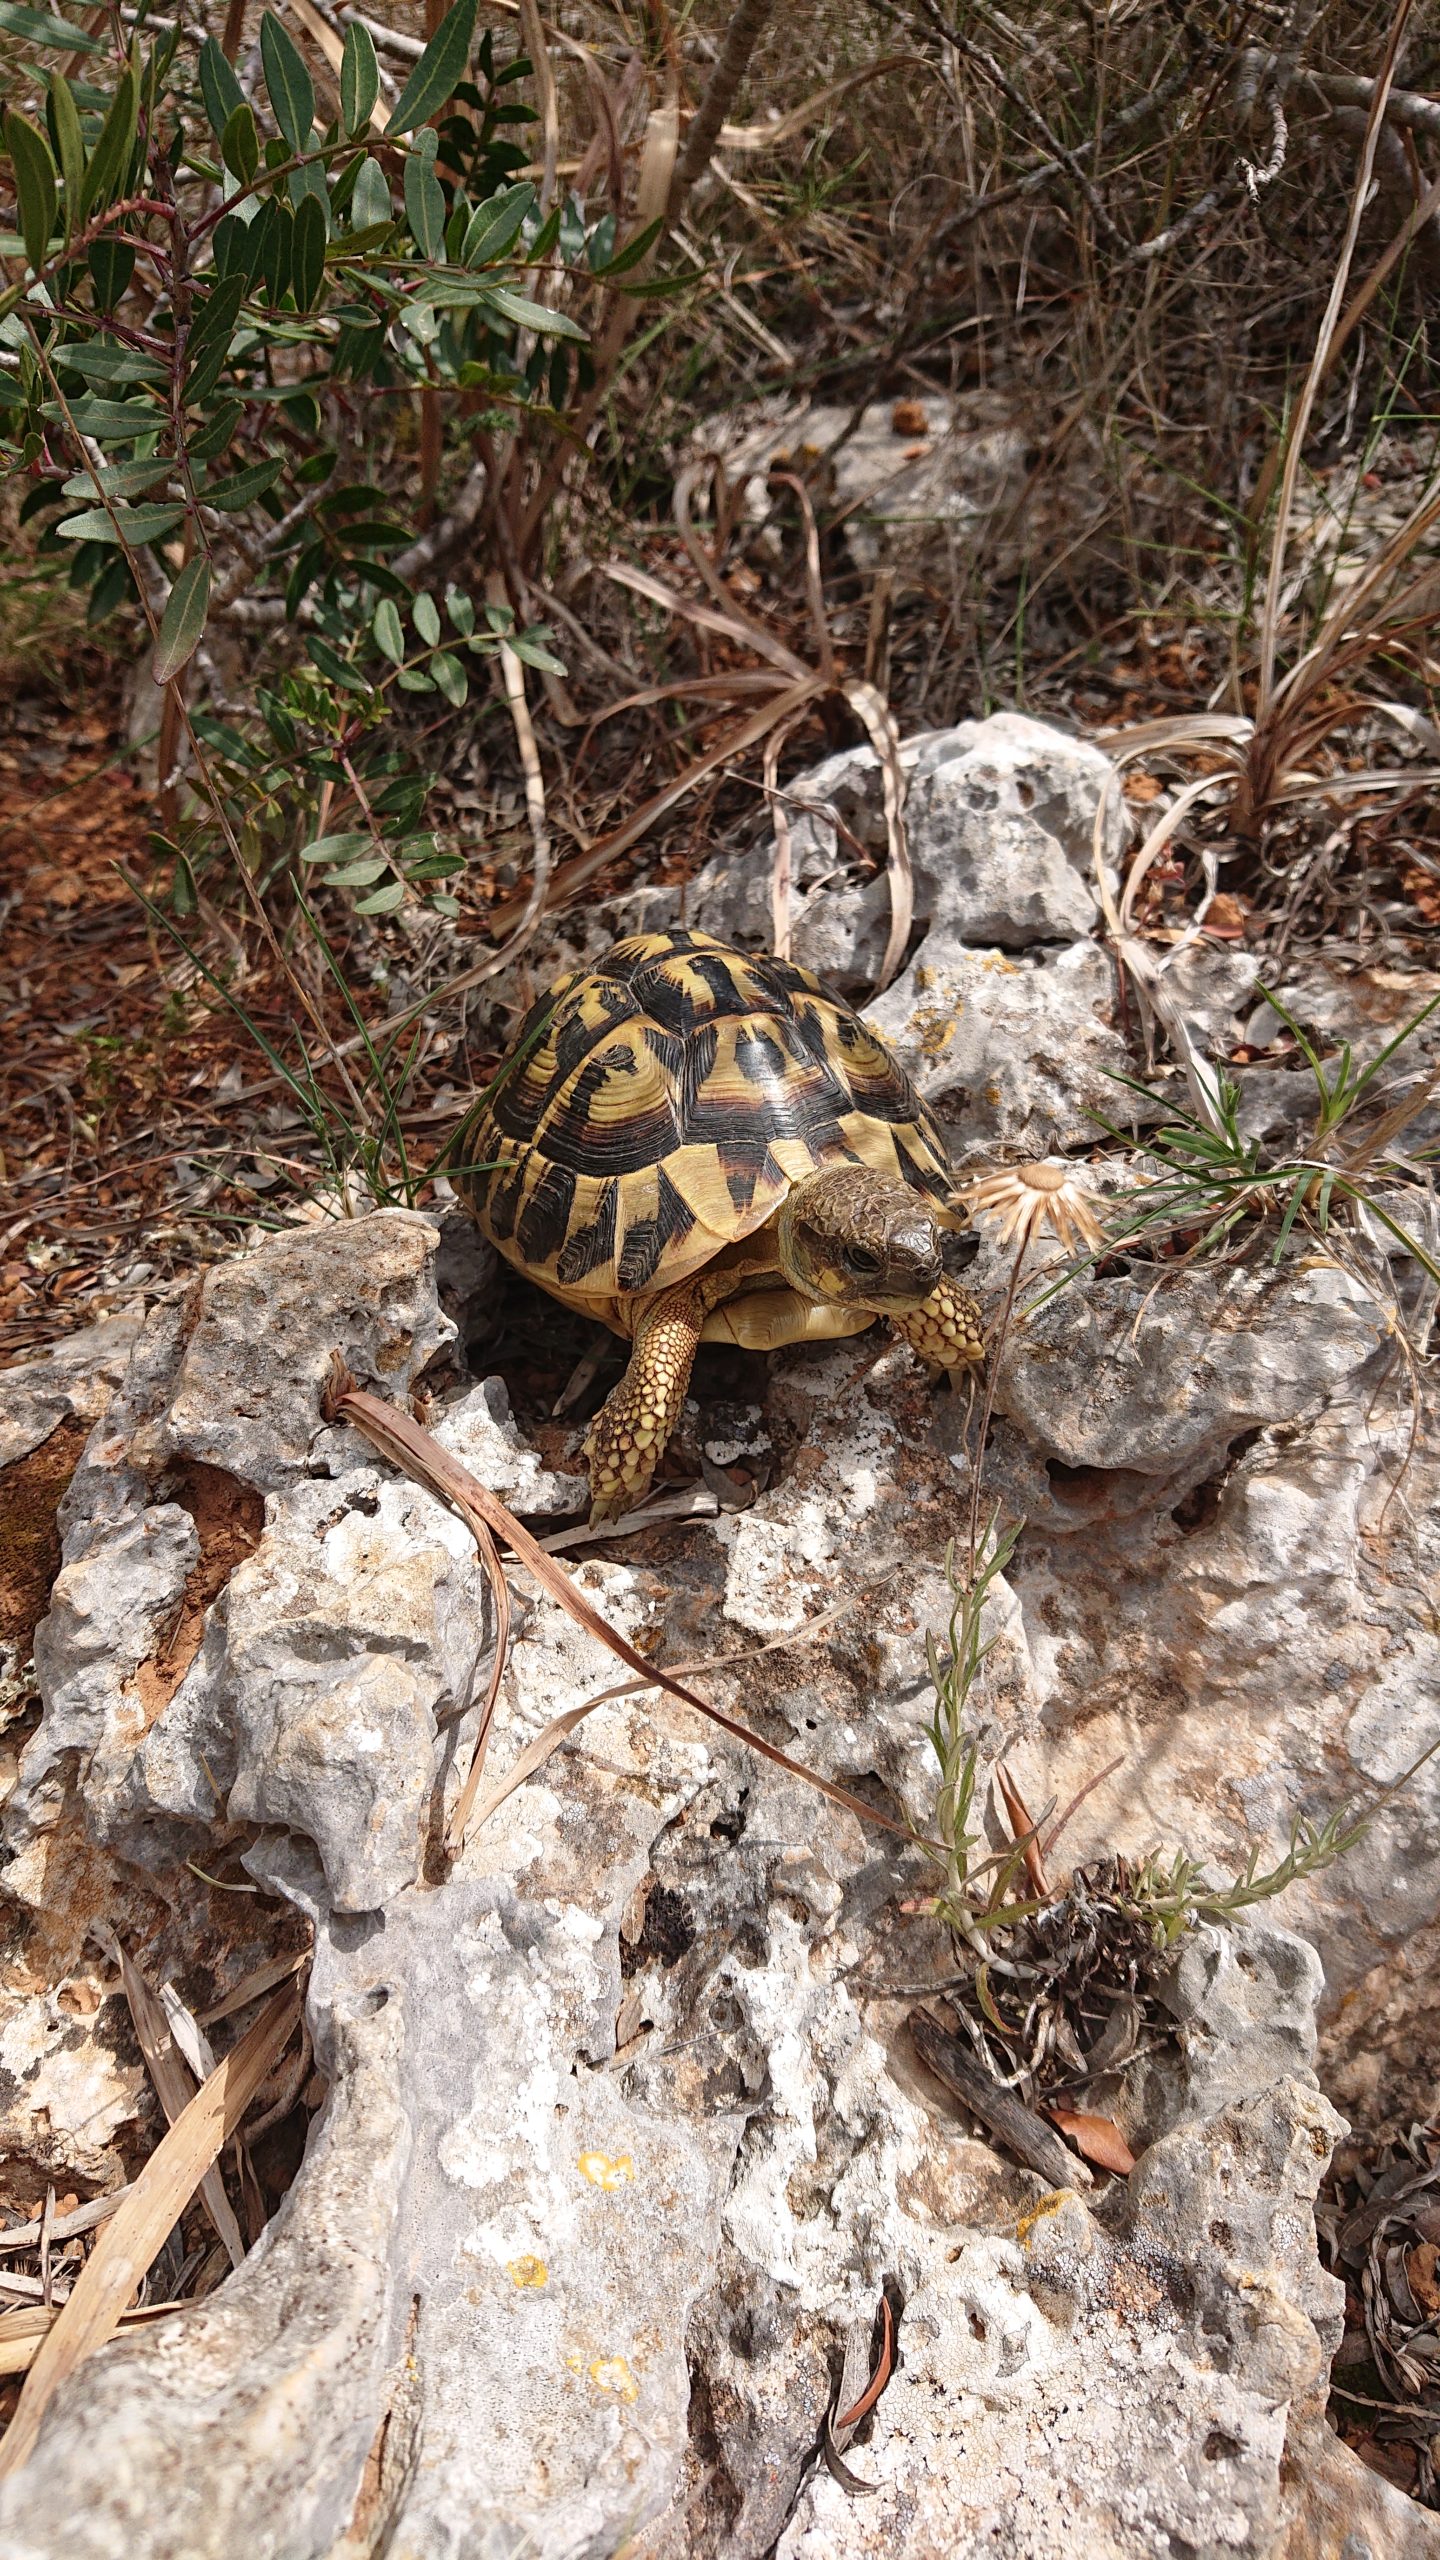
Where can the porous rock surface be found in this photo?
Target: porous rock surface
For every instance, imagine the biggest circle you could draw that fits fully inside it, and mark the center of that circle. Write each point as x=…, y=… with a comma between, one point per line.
x=625, y=2135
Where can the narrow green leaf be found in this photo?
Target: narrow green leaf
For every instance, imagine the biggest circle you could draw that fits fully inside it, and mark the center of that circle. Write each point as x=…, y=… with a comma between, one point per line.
x=339, y=848
x=292, y=91
x=70, y=145
x=331, y=664
x=440, y=66
x=357, y=875
x=219, y=87
x=240, y=143
x=40, y=27
x=424, y=205
x=460, y=610
x=426, y=616
x=633, y=251
x=118, y=480
x=136, y=524
x=183, y=620
x=370, y=204
x=359, y=79
x=111, y=264
x=36, y=185
x=389, y=636
x=307, y=259
x=384, y=901
x=493, y=227
x=450, y=677
x=111, y=156
x=243, y=487
x=110, y=421
x=531, y=315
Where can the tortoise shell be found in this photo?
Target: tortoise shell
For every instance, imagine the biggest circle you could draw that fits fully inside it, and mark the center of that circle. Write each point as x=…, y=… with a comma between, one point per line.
x=658, y=1108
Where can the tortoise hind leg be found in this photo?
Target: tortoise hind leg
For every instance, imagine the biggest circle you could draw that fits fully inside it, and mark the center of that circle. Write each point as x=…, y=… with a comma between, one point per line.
x=627, y=1438
x=946, y=1327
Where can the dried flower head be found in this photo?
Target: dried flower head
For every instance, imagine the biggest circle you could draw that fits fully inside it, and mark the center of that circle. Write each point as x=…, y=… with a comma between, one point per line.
x=1026, y=1199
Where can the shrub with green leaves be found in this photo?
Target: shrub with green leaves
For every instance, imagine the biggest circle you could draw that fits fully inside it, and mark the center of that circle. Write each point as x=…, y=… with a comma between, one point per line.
x=213, y=304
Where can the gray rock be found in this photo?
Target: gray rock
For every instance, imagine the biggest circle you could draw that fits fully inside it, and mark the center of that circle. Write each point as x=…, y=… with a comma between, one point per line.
x=1012, y=1052
x=72, y=1381
x=953, y=477
x=630, y=2089
x=1128, y=1374
x=298, y=1662
x=1000, y=821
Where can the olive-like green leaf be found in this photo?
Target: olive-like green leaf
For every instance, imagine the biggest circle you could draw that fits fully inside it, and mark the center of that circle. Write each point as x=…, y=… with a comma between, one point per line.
x=493, y=227
x=240, y=143
x=132, y=524
x=383, y=901
x=339, y=848
x=243, y=487
x=424, y=204
x=36, y=184
x=70, y=145
x=460, y=610
x=111, y=264
x=292, y=91
x=426, y=616
x=440, y=66
x=357, y=875
x=389, y=636
x=111, y=156
x=531, y=315
x=183, y=620
x=118, y=479
x=359, y=78
x=450, y=677
x=219, y=87
x=110, y=421
x=331, y=664
x=307, y=256
x=39, y=26
x=370, y=204
x=633, y=251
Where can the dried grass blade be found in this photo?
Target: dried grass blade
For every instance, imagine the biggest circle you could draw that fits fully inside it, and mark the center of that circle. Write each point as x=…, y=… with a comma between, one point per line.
x=465, y=1801
x=814, y=586
x=22, y=2331
x=407, y=1446
x=263, y=1979
x=175, y=2086
x=879, y=724
x=532, y=34
x=537, y=1752
x=1299, y=424
x=572, y=876
x=725, y=617
x=1024, y=1832
x=157, y=2198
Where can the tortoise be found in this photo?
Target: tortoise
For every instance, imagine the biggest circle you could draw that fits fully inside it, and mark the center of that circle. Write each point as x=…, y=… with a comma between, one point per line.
x=697, y=1144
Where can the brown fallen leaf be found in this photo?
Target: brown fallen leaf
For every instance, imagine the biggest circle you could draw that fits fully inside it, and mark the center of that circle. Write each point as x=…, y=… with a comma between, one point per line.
x=1099, y=2138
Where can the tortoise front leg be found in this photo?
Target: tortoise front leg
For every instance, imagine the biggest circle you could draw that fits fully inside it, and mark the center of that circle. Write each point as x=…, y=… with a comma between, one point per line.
x=947, y=1327
x=627, y=1438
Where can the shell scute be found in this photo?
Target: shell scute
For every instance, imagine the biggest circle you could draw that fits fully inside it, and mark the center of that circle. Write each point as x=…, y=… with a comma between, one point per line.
x=660, y=1106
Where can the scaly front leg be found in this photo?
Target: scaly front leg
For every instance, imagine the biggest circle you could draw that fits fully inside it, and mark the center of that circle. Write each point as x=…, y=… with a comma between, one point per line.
x=946, y=1327
x=627, y=1438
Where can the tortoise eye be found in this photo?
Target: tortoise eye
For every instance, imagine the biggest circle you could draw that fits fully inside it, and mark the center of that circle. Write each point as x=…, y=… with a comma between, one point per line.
x=861, y=1261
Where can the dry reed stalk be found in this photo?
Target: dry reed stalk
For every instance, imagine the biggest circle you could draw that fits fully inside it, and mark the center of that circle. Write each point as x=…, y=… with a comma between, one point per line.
x=130, y=2240
x=407, y=1446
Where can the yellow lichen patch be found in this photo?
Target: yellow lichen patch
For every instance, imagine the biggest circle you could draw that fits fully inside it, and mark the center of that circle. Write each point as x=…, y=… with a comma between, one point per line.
x=1053, y=2203
x=602, y=2171
x=527, y=2271
x=613, y=2374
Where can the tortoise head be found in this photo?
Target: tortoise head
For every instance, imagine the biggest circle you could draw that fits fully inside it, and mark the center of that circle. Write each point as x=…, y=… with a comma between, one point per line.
x=849, y=1237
